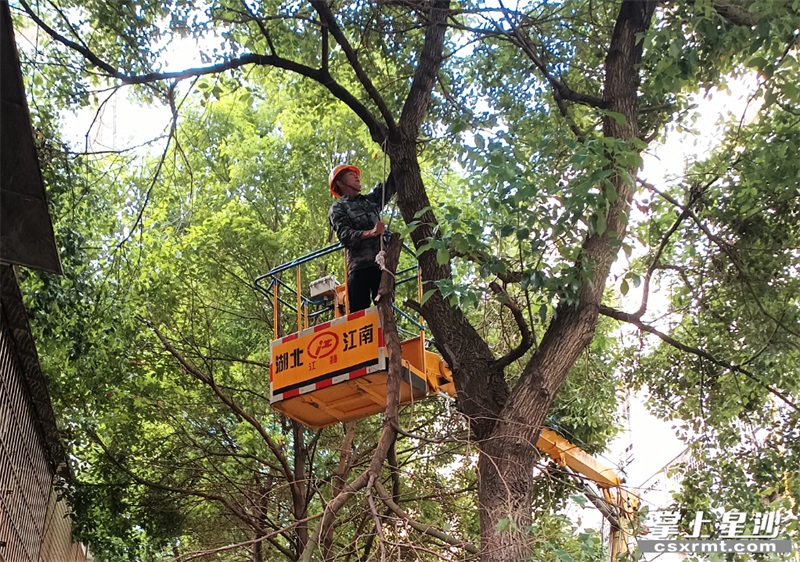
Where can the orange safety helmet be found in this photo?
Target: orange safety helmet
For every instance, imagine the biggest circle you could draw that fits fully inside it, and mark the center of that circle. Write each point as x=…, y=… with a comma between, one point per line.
x=335, y=173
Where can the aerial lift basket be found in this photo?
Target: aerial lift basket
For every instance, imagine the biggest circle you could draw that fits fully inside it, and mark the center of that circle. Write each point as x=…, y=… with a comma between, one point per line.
x=336, y=371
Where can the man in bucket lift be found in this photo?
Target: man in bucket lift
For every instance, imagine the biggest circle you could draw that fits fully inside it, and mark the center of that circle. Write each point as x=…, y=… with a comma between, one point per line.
x=356, y=219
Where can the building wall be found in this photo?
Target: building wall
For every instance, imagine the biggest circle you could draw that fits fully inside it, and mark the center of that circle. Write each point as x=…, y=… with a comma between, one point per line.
x=32, y=522
x=33, y=526
x=57, y=545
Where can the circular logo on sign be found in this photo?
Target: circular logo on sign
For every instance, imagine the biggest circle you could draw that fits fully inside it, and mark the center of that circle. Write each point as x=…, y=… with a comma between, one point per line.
x=322, y=345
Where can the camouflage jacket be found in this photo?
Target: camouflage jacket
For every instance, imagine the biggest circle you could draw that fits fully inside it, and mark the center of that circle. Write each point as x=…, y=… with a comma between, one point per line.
x=351, y=215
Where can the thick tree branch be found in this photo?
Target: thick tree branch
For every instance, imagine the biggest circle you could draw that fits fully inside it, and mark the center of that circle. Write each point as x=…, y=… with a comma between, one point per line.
x=573, y=326
x=735, y=12
x=321, y=75
x=430, y=60
x=339, y=482
x=385, y=300
x=329, y=23
x=300, y=482
x=388, y=433
x=632, y=319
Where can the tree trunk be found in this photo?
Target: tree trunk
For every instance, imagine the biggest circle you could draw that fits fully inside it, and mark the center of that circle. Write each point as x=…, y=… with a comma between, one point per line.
x=482, y=391
x=507, y=457
x=339, y=482
x=299, y=486
x=504, y=495
x=258, y=554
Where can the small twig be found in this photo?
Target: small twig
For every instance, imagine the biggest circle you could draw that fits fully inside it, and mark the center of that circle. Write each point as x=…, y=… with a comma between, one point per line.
x=245, y=517
x=694, y=196
x=228, y=401
x=526, y=340
x=632, y=319
x=421, y=527
x=727, y=249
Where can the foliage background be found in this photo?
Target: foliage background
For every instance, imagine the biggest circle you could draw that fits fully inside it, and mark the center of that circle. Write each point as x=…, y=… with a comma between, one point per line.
x=173, y=237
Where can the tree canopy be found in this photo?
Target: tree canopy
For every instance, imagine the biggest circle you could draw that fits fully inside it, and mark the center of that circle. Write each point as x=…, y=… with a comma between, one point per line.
x=515, y=136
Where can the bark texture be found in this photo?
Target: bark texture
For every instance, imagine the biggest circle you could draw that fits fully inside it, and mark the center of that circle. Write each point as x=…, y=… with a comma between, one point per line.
x=508, y=455
x=506, y=422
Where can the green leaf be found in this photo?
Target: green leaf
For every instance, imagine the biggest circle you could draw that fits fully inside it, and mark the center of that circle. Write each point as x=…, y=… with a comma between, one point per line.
x=580, y=499
x=442, y=256
x=458, y=126
x=563, y=556
x=600, y=223
x=628, y=249
x=428, y=294
x=425, y=247
x=543, y=313
x=618, y=117
x=422, y=211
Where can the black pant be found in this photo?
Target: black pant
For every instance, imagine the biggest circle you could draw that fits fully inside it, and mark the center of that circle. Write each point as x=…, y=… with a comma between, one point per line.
x=361, y=284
